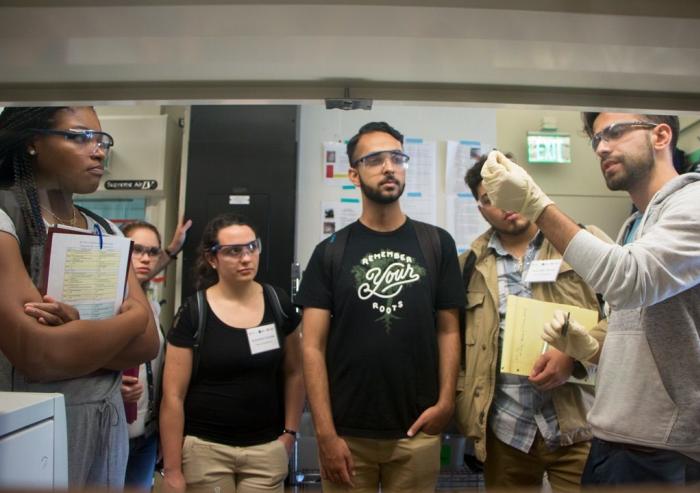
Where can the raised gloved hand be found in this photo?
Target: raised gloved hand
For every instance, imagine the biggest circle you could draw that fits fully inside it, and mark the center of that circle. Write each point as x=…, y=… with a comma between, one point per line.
x=510, y=187
x=573, y=340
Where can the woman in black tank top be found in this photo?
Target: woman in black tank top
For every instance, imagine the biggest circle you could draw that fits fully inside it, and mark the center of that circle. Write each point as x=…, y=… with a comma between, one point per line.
x=232, y=387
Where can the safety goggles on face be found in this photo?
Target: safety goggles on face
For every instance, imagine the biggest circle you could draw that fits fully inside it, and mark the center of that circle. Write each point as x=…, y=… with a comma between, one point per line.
x=144, y=250
x=617, y=130
x=91, y=139
x=377, y=159
x=237, y=251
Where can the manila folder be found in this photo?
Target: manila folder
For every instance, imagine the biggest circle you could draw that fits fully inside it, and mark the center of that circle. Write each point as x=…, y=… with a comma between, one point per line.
x=522, y=337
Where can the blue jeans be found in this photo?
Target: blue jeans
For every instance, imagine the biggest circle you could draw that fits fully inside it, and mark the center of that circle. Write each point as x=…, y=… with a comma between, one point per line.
x=142, y=462
x=611, y=463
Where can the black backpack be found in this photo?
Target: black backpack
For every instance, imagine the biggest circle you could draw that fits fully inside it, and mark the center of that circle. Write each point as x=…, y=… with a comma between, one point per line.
x=197, y=306
x=428, y=239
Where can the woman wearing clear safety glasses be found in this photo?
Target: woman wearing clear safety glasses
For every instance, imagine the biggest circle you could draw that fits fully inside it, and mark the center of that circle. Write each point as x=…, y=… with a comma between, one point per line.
x=47, y=155
x=232, y=386
x=141, y=385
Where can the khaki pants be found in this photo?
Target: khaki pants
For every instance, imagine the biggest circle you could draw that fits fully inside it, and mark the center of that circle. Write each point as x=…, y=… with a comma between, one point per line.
x=216, y=468
x=407, y=464
x=507, y=467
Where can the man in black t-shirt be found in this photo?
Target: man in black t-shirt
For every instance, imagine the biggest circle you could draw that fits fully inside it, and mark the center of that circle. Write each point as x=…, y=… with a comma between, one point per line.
x=381, y=334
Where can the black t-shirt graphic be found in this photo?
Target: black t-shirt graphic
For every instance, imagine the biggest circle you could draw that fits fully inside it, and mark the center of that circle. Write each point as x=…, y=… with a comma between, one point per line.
x=238, y=398
x=382, y=353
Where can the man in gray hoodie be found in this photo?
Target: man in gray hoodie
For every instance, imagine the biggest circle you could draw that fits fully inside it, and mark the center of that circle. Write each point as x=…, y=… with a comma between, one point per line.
x=646, y=415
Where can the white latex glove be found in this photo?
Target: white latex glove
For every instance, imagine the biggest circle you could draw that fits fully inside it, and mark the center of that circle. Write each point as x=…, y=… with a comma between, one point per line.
x=577, y=342
x=510, y=187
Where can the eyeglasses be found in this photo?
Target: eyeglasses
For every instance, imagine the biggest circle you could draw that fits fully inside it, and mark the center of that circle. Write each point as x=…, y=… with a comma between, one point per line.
x=84, y=138
x=617, y=130
x=376, y=159
x=484, y=200
x=144, y=250
x=237, y=251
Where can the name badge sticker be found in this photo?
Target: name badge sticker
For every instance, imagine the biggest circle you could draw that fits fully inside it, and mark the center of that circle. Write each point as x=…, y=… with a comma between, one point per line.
x=263, y=338
x=543, y=271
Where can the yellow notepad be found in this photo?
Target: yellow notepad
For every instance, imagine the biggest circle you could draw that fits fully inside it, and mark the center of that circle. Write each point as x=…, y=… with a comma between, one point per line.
x=522, y=337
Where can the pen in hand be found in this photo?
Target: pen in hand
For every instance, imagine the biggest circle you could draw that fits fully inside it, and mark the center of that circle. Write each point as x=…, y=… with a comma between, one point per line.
x=565, y=327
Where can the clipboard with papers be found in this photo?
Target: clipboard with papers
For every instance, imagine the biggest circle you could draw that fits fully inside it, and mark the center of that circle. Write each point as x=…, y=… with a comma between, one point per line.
x=522, y=341
x=86, y=270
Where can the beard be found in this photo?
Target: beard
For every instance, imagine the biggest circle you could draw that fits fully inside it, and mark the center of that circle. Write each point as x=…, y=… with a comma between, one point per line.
x=514, y=229
x=633, y=170
x=380, y=197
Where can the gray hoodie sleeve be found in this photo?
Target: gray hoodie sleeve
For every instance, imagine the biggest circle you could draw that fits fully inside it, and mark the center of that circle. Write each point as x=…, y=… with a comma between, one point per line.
x=660, y=263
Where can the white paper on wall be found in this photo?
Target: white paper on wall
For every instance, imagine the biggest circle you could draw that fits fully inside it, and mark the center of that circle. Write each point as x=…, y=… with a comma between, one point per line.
x=336, y=215
x=460, y=156
x=420, y=195
x=335, y=163
x=464, y=221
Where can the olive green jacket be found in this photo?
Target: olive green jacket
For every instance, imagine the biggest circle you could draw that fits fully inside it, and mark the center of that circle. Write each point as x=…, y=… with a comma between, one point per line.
x=477, y=381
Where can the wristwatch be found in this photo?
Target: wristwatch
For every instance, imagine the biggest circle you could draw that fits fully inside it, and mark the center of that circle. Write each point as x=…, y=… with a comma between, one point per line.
x=290, y=432
x=170, y=254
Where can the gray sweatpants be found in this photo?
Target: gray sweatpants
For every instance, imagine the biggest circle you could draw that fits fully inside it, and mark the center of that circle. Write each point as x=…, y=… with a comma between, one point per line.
x=98, y=443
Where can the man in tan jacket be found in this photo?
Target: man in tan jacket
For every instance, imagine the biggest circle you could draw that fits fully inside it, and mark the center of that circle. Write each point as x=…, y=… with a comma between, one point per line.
x=521, y=426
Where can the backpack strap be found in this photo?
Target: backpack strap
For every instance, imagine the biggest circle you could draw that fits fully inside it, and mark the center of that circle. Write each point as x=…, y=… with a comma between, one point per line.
x=467, y=272
x=333, y=254
x=429, y=241
x=97, y=218
x=274, y=300
x=198, y=312
x=468, y=269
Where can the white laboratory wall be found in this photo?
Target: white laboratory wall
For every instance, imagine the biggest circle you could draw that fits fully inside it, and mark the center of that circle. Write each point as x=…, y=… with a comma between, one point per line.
x=318, y=125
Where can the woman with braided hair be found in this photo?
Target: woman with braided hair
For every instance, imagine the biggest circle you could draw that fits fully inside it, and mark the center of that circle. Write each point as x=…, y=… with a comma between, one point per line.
x=46, y=155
